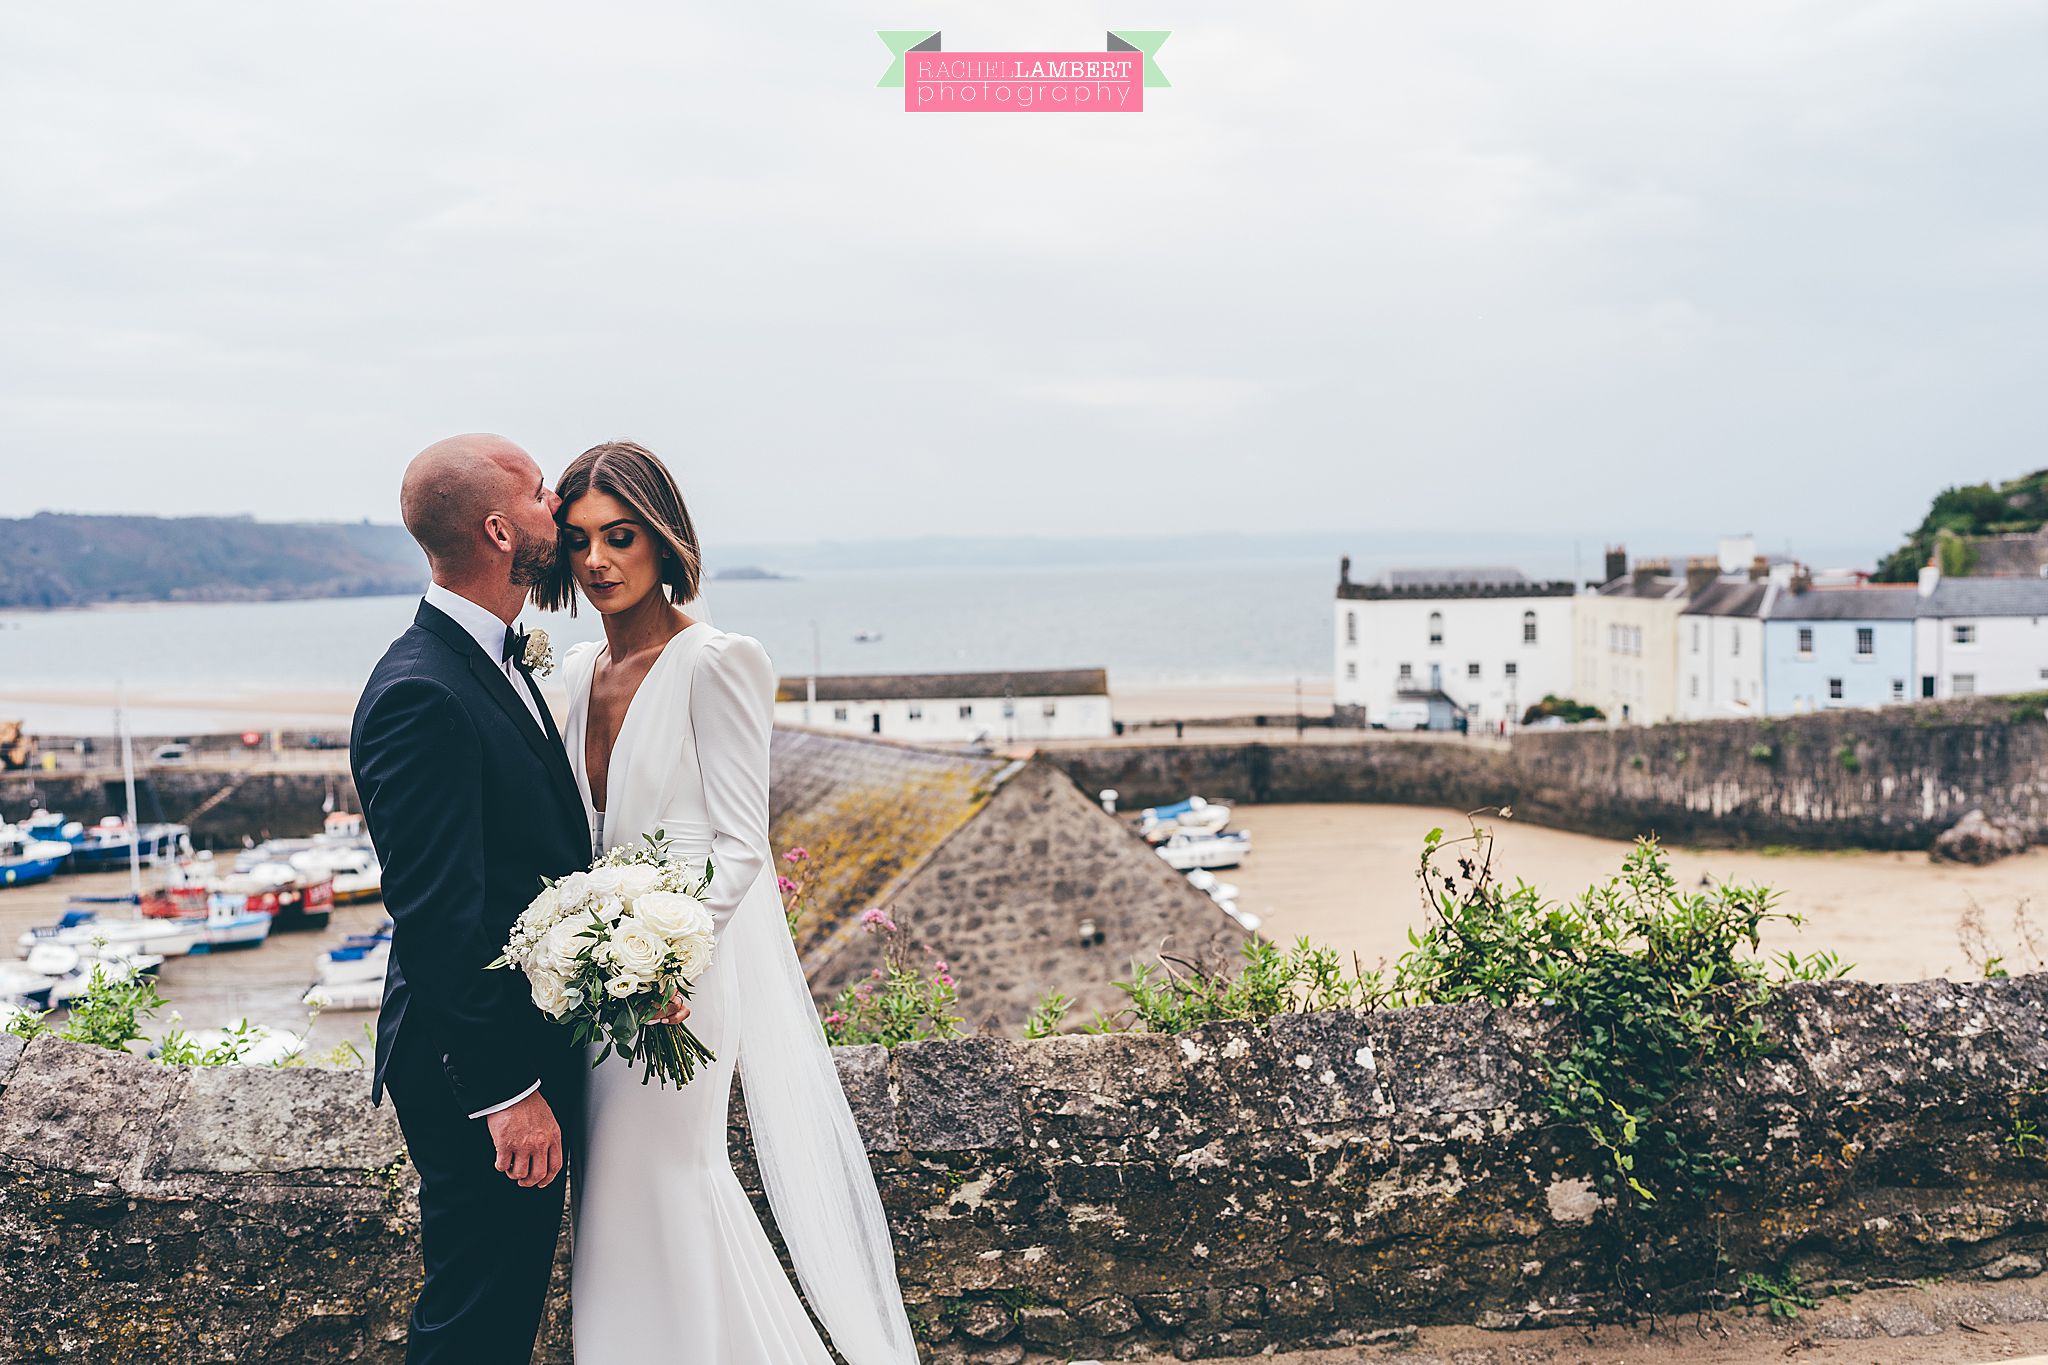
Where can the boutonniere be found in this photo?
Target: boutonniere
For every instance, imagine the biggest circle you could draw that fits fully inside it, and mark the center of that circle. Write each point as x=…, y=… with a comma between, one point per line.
x=539, y=658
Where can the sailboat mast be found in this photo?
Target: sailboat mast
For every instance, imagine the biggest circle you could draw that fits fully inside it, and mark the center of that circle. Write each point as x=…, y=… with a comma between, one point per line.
x=134, y=830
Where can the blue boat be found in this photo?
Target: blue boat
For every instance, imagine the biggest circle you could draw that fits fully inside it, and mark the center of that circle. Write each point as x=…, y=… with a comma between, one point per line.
x=105, y=845
x=24, y=859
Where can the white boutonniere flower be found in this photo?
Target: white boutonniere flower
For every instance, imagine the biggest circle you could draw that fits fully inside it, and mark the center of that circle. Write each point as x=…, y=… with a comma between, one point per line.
x=540, y=657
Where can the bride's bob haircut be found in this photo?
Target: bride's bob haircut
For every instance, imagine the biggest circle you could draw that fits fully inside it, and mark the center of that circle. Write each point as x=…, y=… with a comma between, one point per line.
x=636, y=477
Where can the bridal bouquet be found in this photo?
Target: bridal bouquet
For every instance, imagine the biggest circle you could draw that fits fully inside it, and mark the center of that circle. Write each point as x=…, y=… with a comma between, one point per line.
x=605, y=950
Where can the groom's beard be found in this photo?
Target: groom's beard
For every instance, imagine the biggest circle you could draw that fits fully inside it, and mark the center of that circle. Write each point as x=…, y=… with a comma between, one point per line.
x=533, y=558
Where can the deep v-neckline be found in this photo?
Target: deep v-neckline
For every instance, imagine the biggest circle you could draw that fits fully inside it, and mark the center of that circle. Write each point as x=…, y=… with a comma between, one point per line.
x=625, y=721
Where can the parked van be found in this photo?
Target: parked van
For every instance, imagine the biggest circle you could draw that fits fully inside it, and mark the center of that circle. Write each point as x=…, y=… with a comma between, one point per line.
x=1404, y=715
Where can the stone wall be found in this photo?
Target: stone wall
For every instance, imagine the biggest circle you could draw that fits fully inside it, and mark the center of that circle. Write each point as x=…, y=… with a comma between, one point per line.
x=1891, y=778
x=229, y=802
x=1319, y=1179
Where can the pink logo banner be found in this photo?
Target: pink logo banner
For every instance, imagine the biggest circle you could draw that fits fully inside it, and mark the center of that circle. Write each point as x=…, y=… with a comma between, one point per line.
x=1023, y=82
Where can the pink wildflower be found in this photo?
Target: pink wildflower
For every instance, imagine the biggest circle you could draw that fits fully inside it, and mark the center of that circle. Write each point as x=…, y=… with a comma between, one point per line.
x=863, y=990
x=945, y=980
x=877, y=918
x=835, y=1017
x=878, y=973
x=784, y=885
x=795, y=855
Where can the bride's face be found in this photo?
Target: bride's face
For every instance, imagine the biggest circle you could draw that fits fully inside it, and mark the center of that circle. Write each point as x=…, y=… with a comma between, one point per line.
x=616, y=559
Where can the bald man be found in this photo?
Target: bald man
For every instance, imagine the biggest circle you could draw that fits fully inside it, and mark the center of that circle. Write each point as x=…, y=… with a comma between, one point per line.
x=468, y=796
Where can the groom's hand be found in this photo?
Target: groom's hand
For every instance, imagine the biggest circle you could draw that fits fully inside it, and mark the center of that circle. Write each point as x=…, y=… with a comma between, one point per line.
x=529, y=1142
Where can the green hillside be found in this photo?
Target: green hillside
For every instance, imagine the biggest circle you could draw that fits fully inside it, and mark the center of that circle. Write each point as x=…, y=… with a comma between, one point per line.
x=1977, y=509
x=59, y=560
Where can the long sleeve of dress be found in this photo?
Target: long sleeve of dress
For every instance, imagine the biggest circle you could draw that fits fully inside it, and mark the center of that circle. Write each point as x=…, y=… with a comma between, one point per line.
x=732, y=709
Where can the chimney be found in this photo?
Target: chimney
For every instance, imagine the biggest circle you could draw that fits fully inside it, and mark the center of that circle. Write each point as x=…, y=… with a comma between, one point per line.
x=1700, y=573
x=1930, y=575
x=1617, y=563
x=1344, y=572
x=1759, y=568
x=1802, y=579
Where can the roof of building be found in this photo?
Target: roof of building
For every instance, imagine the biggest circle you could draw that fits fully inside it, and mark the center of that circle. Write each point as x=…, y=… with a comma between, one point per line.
x=1484, y=581
x=1066, y=682
x=1650, y=587
x=867, y=813
x=2020, y=554
x=1729, y=597
x=1987, y=597
x=1869, y=603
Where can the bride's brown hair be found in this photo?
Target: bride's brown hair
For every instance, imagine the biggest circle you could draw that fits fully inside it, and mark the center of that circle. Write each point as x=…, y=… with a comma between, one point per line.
x=636, y=477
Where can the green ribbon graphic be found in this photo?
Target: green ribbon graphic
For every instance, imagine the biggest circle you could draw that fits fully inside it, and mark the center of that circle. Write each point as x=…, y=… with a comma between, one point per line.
x=1143, y=40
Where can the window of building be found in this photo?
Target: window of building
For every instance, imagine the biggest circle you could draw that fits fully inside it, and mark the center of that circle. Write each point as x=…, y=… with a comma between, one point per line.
x=1866, y=641
x=1926, y=684
x=1528, y=627
x=916, y=712
x=1695, y=637
x=1350, y=627
x=1962, y=684
x=1351, y=670
x=839, y=713
x=1436, y=627
x=1508, y=669
x=1471, y=670
x=1407, y=675
x=1899, y=687
x=1052, y=708
x=1834, y=689
x=1735, y=642
x=967, y=711
x=1963, y=633
x=1695, y=684
x=1806, y=639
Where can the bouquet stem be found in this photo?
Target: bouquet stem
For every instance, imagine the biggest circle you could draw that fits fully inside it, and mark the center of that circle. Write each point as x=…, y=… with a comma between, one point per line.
x=670, y=1053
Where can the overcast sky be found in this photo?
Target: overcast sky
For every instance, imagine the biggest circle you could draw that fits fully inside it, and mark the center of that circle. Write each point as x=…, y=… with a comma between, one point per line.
x=1755, y=264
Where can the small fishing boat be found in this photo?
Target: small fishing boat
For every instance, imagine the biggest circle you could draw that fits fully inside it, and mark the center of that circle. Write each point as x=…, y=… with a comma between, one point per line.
x=1160, y=823
x=45, y=824
x=357, y=874
x=25, y=859
x=293, y=899
x=363, y=962
x=351, y=995
x=83, y=929
x=106, y=845
x=1185, y=852
x=227, y=929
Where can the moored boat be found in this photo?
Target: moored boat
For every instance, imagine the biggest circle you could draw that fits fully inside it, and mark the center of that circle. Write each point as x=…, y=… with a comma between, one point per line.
x=25, y=859
x=1185, y=852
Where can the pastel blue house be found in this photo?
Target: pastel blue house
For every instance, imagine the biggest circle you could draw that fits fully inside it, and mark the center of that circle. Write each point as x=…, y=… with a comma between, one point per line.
x=1829, y=647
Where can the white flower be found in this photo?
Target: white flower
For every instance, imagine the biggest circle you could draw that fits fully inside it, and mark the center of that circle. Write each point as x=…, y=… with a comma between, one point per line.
x=691, y=955
x=637, y=880
x=558, y=947
x=573, y=888
x=604, y=881
x=611, y=909
x=672, y=915
x=550, y=992
x=635, y=950
x=619, y=987
x=539, y=657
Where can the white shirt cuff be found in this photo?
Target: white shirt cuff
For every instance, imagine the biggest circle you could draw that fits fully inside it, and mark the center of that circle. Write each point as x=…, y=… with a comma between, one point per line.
x=482, y=1113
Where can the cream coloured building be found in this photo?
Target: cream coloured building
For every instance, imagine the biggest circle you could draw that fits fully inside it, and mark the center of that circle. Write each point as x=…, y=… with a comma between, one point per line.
x=1625, y=639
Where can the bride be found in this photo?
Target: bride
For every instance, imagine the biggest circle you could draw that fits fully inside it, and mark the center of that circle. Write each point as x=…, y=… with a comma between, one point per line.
x=668, y=729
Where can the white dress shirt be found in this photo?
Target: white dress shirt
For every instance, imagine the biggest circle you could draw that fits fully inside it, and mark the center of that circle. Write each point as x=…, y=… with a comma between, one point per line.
x=489, y=631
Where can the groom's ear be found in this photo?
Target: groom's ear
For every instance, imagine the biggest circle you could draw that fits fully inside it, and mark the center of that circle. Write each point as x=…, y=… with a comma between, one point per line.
x=497, y=531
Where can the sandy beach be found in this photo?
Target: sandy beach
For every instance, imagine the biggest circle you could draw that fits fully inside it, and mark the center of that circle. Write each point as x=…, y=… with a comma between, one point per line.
x=1345, y=876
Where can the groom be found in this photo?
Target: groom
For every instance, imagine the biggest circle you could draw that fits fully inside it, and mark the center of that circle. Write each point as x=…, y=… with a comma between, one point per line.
x=470, y=801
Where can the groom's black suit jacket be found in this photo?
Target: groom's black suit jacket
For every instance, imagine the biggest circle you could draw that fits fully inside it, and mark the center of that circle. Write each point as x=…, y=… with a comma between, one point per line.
x=469, y=804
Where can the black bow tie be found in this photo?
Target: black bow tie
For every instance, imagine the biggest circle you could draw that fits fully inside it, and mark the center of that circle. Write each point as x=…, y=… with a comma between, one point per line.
x=515, y=647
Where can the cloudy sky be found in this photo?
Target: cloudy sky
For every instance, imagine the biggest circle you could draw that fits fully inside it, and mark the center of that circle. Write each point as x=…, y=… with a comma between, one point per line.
x=1760, y=264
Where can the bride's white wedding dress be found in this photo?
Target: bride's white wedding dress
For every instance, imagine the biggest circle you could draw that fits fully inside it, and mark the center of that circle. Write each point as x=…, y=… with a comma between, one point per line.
x=670, y=1262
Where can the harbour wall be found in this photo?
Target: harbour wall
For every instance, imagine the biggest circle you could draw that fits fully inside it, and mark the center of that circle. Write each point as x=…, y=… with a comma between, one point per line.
x=1316, y=1180
x=1887, y=779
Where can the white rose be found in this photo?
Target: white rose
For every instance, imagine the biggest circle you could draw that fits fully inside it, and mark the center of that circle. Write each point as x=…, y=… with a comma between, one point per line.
x=692, y=956
x=637, y=879
x=550, y=992
x=611, y=909
x=545, y=908
x=619, y=987
x=672, y=915
x=573, y=887
x=556, y=952
x=635, y=950
x=605, y=881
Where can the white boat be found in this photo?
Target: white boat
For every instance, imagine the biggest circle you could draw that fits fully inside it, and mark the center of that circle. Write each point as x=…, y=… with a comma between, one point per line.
x=21, y=984
x=68, y=987
x=357, y=874
x=342, y=966
x=84, y=929
x=1159, y=823
x=1186, y=852
x=227, y=928
x=352, y=995
x=1204, y=881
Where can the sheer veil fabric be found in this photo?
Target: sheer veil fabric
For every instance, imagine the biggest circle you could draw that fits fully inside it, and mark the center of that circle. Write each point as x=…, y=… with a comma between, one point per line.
x=670, y=1261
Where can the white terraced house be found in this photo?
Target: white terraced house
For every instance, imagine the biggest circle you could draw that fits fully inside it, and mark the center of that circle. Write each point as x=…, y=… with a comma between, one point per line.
x=952, y=708
x=1422, y=648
